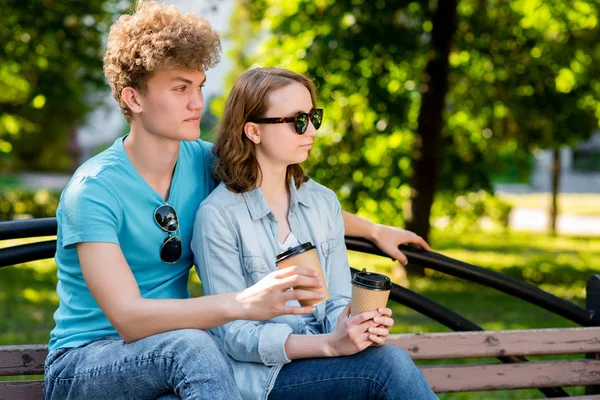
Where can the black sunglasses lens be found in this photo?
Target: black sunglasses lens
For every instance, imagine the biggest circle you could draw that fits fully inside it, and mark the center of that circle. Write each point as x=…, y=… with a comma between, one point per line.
x=317, y=118
x=301, y=123
x=166, y=218
x=170, y=252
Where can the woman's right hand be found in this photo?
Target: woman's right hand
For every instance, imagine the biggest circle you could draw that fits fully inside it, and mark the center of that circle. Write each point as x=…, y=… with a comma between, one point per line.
x=267, y=298
x=351, y=334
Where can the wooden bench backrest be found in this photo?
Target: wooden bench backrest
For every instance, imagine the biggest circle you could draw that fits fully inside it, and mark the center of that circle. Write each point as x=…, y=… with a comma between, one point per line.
x=477, y=377
x=28, y=360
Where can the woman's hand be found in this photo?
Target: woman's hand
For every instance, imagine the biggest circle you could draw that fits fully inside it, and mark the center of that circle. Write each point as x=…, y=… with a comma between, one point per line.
x=380, y=333
x=351, y=334
x=388, y=238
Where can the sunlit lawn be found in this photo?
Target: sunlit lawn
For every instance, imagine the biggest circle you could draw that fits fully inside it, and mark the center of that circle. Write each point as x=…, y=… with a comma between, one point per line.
x=560, y=265
x=576, y=204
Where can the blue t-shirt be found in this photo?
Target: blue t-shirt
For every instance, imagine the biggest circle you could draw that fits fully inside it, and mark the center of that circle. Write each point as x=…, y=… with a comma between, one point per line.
x=108, y=201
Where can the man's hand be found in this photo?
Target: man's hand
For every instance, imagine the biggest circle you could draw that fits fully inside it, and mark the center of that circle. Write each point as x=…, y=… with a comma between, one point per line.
x=388, y=238
x=266, y=298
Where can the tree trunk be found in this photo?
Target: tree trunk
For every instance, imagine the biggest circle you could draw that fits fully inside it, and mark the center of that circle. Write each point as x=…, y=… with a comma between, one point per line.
x=426, y=154
x=555, y=182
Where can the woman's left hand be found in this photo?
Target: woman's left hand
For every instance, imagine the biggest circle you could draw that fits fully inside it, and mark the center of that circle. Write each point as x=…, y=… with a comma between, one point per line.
x=380, y=333
x=388, y=238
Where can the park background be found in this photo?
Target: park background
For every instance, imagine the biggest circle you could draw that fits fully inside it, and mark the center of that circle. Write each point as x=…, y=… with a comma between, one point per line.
x=473, y=123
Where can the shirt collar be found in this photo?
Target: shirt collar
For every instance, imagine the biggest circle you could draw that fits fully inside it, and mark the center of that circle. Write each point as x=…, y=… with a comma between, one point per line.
x=258, y=207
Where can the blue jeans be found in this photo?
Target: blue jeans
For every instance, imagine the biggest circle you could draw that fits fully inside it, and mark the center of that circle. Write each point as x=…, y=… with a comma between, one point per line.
x=384, y=372
x=184, y=364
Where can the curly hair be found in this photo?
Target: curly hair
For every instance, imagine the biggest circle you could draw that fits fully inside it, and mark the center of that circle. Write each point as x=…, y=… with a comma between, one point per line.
x=156, y=37
x=249, y=100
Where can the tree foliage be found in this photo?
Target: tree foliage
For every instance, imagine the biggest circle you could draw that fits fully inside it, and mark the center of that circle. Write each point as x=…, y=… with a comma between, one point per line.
x=523, y=75
x=50, y=65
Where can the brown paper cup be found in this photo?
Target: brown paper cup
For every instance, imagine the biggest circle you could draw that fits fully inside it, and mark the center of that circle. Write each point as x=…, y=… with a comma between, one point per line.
x=309, y=259
x=364, y=300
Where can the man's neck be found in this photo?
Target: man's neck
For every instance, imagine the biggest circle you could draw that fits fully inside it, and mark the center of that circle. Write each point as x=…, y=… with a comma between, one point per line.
x=153, y=157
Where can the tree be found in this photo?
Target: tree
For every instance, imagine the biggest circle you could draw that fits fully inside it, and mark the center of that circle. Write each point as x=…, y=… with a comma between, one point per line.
x=427, y=151
x=382, y=77
x=528, y=71
x=50, y=67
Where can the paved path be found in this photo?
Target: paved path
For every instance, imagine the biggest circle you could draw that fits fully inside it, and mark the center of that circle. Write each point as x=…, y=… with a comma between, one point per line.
x=537, y=220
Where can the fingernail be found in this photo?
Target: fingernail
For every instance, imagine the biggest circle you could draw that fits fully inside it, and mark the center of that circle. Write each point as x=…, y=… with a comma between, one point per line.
x=321, y=294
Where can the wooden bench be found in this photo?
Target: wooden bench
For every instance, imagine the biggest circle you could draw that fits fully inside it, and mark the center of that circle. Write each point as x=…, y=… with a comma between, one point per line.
x=29, y=360
x=510, y=347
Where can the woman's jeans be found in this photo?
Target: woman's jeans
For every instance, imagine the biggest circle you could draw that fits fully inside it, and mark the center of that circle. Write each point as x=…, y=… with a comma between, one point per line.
x=383, y=372
x=184, y=364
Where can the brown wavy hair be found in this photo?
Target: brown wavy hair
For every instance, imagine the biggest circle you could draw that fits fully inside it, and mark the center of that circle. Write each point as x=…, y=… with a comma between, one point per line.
x=249, y=100
x=156, y=37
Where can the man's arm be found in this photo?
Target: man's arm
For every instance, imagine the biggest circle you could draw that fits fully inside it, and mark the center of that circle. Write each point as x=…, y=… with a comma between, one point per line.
x=387, y=238
x=114, y=287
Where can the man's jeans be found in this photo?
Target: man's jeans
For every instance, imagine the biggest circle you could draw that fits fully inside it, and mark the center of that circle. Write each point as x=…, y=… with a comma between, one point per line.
x=384, y=372
x=185, y=363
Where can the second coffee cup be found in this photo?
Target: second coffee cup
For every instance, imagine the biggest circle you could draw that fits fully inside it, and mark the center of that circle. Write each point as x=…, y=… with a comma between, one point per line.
x=370, y=291
x=304, y=255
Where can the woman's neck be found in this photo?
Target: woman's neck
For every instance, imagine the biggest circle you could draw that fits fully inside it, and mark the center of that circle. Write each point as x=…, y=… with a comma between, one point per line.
x=274, y=187
x=153, y=157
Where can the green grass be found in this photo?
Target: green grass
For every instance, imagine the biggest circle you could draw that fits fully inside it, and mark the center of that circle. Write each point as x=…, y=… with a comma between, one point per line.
x=575, y=204
x=560, y=265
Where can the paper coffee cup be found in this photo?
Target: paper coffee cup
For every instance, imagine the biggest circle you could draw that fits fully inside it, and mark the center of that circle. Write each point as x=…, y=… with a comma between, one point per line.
x=370, y=291
x=304, y=255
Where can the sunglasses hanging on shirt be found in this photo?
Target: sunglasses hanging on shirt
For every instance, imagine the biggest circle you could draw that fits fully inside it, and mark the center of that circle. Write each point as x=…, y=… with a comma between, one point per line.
x=166, y=217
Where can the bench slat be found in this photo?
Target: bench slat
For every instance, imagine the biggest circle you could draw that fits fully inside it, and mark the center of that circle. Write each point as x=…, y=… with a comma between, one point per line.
x=22, y=360
x=478, y=377
x=27, y=390
x=498, y=343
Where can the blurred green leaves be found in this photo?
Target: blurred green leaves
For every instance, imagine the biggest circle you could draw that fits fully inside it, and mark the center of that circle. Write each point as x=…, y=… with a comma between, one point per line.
x=50, y=71
x=20, y=203
x=524, y=75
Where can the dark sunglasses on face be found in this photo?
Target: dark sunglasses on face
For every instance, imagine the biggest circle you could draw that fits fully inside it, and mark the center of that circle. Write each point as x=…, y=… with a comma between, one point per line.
x=300, y=121
x=166, y=217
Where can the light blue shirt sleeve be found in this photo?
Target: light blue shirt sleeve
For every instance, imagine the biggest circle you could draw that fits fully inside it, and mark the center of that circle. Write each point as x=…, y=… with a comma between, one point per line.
x=218, y=262
x=90, y=213
x=339, y=285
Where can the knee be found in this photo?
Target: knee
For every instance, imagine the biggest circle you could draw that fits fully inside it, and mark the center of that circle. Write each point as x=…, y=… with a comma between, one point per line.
x=195, y=340
x=398, y=362
x=194, y=346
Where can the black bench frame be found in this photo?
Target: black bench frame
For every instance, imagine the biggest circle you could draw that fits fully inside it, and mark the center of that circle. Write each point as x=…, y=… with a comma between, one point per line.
x=26, y=360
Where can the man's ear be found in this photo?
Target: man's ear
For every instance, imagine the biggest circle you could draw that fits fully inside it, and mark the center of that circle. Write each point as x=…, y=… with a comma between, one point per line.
x=252, y=132
x=132, y=98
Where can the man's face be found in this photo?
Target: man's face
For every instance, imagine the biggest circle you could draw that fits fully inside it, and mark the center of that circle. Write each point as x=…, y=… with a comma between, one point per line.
x=172, y=105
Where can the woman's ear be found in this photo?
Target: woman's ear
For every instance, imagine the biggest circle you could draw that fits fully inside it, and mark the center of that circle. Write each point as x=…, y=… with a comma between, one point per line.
x=131, y=97
x=251, y=131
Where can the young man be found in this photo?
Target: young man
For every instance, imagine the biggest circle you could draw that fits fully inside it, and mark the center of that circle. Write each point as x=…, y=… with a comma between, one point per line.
x=126, y=327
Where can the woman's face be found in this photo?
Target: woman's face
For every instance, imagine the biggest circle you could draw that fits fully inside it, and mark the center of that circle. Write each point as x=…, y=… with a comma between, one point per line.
x=279, y=143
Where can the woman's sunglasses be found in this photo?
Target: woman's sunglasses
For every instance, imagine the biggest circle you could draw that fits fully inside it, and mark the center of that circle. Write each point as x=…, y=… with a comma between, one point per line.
x=166, y=217
x=300, y=121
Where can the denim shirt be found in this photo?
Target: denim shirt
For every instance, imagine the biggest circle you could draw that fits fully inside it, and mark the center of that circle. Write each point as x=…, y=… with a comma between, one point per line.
x=235, y=244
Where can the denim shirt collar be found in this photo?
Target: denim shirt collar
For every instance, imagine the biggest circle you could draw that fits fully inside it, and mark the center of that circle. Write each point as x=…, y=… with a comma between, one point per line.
x=258, y=207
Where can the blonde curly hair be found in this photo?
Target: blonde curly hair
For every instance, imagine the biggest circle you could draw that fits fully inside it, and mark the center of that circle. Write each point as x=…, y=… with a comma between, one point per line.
x=156, y=37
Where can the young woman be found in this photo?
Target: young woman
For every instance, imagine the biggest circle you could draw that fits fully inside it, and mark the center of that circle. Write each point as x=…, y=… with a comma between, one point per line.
x=264, y=205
